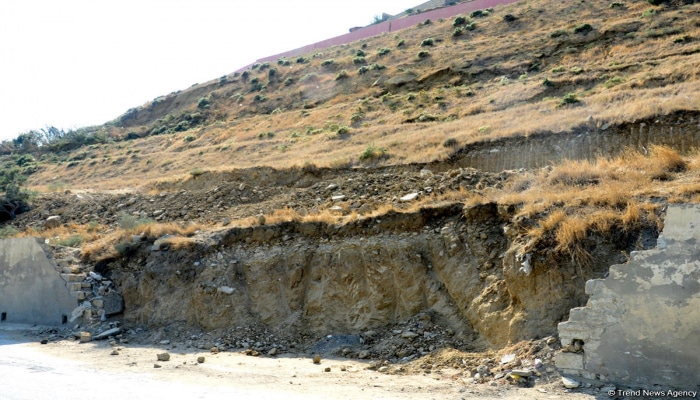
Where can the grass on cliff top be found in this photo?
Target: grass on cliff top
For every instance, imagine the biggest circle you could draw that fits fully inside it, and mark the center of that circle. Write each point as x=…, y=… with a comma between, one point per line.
x=557, y=207
x=538, y=73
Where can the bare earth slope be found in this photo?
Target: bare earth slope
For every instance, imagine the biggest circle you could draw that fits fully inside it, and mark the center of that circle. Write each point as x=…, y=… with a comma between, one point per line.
x=405, y=200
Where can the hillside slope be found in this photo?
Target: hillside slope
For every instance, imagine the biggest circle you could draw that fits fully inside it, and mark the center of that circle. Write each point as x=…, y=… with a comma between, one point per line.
x=415, y=96
x=414, y=181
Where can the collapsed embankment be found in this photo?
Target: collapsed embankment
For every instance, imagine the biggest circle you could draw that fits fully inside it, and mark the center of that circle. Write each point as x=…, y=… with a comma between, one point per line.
x=304, y=278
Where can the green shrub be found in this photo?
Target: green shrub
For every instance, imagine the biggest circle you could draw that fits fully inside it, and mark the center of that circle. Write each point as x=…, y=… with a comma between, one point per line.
x=71, y=241
x=283, y=62
x=558, y=69
x=129, y=221
x=255, y=66
x=358, y=60
x=383, y=51
x=288, y=82
x=203, y=102
x=509, y=18
x=271, y=73
x=583, y=28
x=197, y=172
x=459, y=20
x=478, y=14
x=312, y=77
x=576, y=70
x=264, y=66
x=363, y=70
x=569, y=99
x=327, y=63
x=451, y=142
x=259, y=98
x=372, y=152
x=547, y=82
x=341, y=75
x=360, y=53
x=8, y=231
x=458, y=31
x=190, y=138
x=182, y=126
x=401, y=43
x=558, y=33
x=427, y=42
x=423, y=54
x=343, y=130
x=614, y=81
x=617, y=4
x=125, y=248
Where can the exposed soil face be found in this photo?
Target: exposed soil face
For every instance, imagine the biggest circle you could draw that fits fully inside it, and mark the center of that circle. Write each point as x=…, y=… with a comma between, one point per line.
x=447, y=275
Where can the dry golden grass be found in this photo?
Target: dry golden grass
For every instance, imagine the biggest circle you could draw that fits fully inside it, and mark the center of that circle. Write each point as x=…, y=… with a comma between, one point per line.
x=105, y=245
x=577, y=198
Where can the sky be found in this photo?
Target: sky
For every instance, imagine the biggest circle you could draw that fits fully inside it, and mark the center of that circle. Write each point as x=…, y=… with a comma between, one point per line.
x=74, y=63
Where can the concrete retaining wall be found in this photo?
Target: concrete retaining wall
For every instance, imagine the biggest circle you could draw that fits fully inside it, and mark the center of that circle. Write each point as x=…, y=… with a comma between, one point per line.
x=641, y=326
x=31, y=290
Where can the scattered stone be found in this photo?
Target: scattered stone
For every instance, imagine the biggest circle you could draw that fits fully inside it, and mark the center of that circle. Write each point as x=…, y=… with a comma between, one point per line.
x=338, y=197
x=214, y=350
x=409, y=335
x=343, y=368
x=52, y=222
x=273, y=351
x=317, y=359
x=569, y=383
x=164, y=357
x=85, y=337
x=383, y=369
x=483, y=370
x=156, y=366
x=521, y=373
x=113, y=303
x=363, y=354
x=44, y=341
x=165, y=342
x=108, y=333
x=508, y=358
x=409, y=197
x=225, y=289
x=114, y=352
x=200, y=359
x=327, y=369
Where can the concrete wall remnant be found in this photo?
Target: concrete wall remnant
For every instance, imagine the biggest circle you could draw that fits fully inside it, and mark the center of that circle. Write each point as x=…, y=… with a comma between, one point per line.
x=641, y=326
x=31, y=290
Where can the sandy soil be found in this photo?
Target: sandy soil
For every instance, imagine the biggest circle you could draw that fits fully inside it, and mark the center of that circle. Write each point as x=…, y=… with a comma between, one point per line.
x=283, y=376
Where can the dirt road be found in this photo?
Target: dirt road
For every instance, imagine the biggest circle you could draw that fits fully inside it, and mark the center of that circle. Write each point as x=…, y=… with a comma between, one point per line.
x=66, y=369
